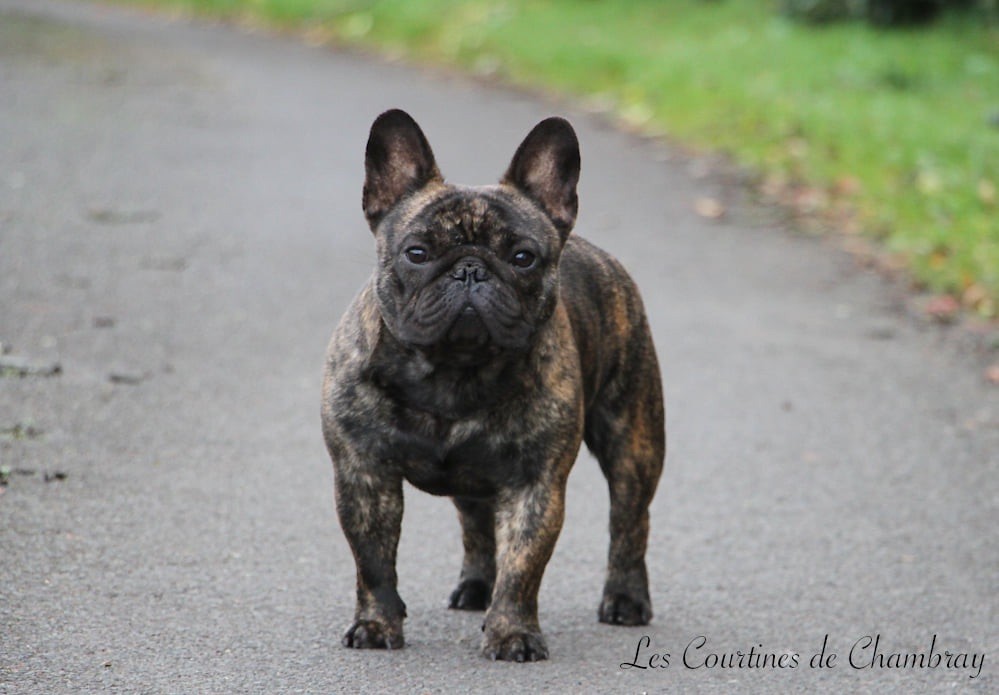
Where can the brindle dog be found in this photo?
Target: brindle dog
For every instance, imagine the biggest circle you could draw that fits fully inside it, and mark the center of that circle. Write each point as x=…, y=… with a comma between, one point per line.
x=486, y=346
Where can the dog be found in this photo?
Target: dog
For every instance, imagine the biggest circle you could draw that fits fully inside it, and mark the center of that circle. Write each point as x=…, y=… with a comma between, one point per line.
x=487, y=345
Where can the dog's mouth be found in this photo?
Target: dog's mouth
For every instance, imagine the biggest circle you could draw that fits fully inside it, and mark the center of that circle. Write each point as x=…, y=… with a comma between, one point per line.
x=468, y=330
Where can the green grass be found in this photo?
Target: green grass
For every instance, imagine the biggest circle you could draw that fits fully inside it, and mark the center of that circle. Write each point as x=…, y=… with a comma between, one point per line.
x=886, y=130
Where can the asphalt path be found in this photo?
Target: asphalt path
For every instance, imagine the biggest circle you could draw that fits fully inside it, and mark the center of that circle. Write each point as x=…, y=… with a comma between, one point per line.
x=180, y=229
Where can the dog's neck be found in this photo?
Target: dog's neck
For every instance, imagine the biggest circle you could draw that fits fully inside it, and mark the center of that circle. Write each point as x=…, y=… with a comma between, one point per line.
x=451, y=384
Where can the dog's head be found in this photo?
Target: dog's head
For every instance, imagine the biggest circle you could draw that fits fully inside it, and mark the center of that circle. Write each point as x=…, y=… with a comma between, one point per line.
x=467, y=273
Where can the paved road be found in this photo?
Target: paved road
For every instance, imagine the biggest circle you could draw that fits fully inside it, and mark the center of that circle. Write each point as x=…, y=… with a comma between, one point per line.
x=180, y=228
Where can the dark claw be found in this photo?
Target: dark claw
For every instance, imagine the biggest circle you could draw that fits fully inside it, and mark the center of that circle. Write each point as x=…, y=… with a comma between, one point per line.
x=369, y=634
x=517, y=647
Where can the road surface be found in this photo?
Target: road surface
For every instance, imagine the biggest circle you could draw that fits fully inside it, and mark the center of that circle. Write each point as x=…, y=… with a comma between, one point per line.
x=180, y=228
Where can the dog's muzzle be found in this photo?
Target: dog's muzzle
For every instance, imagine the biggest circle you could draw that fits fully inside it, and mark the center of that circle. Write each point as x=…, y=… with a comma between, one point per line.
x=468, y=329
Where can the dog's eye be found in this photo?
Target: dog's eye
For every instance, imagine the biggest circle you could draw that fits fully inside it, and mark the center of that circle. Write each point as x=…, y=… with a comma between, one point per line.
x=417, y=255
x=523, y=259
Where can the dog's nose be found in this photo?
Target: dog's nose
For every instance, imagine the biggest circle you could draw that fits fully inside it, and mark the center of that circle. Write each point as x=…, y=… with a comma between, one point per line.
x=469, y=270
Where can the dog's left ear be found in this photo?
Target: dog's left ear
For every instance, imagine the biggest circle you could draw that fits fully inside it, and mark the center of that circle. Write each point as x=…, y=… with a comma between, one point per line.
x=546, y=169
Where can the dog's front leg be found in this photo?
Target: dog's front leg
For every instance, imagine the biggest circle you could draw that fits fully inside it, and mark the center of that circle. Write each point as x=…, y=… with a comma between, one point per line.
x=369, y=504
x=528, y=521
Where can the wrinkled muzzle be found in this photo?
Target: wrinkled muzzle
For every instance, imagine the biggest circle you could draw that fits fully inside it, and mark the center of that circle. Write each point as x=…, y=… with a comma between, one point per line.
x=467, y=307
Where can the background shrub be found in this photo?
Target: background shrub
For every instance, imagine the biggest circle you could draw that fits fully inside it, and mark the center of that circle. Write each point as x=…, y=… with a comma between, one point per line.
x=880, y=12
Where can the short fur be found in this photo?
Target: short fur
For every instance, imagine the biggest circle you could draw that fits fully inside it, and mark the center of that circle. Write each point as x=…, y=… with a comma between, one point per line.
x=486, y=346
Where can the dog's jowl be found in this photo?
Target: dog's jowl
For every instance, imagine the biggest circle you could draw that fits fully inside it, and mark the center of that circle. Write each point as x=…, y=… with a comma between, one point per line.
x=487, y=345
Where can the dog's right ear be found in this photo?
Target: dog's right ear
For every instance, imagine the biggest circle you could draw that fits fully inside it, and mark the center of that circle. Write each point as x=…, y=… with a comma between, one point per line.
x=397, y=162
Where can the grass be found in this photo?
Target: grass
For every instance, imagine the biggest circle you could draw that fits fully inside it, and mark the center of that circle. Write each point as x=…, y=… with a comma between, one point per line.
x=891, y=133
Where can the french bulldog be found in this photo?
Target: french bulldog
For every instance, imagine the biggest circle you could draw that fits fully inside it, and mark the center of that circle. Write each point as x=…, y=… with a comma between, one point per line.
x=487, y=345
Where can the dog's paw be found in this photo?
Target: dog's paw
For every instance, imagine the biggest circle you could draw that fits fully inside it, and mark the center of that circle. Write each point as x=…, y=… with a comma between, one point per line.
x=471, y=595
x=518, y=646
x=372, y=634
x=623, y=609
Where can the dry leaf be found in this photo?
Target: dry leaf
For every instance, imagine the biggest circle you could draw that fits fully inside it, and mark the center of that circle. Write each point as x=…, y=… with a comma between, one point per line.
x=974, y=295
x=943, y=308
x=810, y=200
x=709, y=208
x=847, y=185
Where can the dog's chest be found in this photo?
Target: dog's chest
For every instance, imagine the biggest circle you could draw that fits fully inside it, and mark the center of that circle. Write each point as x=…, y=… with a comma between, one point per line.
x=467, y=458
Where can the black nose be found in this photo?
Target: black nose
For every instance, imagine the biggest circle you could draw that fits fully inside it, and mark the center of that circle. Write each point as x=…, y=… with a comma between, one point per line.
x=469, y=270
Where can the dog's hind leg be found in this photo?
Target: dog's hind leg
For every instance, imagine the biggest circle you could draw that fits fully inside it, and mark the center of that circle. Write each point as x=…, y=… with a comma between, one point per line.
x=625, y=431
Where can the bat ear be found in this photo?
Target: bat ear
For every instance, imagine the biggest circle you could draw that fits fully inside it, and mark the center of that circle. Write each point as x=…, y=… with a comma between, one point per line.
x=397, y=162
x=546, y=169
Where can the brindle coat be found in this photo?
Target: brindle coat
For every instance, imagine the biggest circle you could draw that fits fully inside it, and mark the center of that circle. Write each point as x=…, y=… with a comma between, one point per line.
x=472, y=375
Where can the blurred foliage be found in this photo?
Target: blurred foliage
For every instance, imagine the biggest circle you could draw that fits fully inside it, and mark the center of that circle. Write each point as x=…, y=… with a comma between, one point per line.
x=883, y=12
x=822, y=11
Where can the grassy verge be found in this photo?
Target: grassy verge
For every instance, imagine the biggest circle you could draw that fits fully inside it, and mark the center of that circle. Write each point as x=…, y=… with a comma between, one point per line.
x=894, y=134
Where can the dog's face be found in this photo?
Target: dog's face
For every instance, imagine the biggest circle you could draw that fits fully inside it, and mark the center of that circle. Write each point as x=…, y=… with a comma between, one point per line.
x=468, y=273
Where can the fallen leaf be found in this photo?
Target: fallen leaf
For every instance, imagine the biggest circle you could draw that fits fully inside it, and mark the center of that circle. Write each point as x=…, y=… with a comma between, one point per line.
x=774, y=185
x=943, y=308
x=992, y=374
x=847, y=185
x=317, y=35
x=937, y=259
x=810, y=200
x=709, y=208
x=974, y=295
